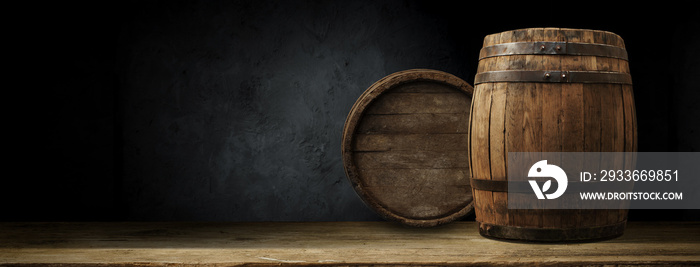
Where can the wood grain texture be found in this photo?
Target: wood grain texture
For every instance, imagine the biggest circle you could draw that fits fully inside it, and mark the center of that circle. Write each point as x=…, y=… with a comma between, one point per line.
x=540, y=117
x=329, y=244
x=405, y=147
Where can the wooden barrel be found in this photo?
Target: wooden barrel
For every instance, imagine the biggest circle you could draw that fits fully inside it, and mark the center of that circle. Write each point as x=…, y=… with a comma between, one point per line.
x=404, y=147
x=548, y=90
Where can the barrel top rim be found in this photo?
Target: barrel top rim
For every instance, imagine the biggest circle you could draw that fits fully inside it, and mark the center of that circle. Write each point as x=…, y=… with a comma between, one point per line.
x=558, y=28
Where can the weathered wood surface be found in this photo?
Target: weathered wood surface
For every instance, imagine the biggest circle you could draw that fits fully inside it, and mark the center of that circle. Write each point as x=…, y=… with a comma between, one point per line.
x=405, y=147
x=526, y=116
x=329, y=243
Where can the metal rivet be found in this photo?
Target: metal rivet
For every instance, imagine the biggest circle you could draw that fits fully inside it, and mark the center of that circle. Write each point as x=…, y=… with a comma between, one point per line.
x=546, y=75
x=558, y=47
x=542, y=47
x=563, y=75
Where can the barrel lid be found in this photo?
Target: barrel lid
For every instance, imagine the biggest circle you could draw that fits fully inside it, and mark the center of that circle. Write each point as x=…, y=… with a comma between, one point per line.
x=404, y=147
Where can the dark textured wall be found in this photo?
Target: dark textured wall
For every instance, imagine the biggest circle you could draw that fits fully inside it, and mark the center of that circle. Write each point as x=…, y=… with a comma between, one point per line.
x=233, y=110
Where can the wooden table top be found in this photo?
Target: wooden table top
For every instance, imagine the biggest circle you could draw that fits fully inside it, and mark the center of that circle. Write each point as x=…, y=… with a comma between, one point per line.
x=328, y=243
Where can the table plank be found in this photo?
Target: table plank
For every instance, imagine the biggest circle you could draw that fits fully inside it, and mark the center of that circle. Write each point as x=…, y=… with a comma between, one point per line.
x=328, y=243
